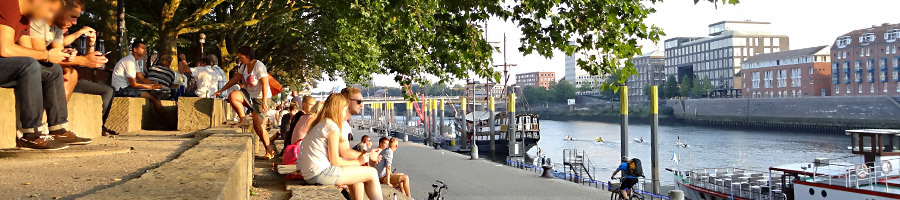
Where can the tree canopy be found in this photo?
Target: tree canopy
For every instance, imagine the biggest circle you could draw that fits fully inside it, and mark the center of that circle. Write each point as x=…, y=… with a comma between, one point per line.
x=415, y=41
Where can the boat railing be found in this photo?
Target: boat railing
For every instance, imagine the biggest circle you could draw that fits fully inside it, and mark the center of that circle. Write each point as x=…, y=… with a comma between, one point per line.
x=733, y=182
x=866, y=175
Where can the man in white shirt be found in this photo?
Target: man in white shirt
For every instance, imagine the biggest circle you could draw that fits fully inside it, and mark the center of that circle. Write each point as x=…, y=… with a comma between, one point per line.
x=129, y=81
x=214, y=65
x=205, y=79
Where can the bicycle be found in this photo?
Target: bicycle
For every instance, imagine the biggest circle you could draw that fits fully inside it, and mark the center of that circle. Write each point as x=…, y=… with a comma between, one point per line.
x=617, y=192
x=437, y=194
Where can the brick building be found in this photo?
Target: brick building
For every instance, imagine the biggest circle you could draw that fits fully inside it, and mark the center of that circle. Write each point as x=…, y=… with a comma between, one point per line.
x=866, y=62
x=536, y=79
x=793, y=73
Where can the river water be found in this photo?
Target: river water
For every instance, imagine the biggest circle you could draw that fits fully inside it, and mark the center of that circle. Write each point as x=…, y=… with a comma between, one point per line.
x=709, y=147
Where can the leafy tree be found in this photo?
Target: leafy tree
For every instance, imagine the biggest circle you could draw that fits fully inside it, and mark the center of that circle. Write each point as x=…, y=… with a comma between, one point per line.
x=647, y=91
x=585, y=88
x=685, y=87
x=671, y=87
x=706, y=85
x=302, y=41
x=697, y=88
x=563, y=91
x=536, y=94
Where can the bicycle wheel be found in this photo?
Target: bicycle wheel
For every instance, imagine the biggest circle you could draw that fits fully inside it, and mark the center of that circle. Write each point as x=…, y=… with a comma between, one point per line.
x=615, y=195
x=636, y=197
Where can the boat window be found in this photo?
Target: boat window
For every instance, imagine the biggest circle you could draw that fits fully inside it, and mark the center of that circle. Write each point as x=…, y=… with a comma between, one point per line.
x=854, y=141
x=891, y=143
x=866, y=143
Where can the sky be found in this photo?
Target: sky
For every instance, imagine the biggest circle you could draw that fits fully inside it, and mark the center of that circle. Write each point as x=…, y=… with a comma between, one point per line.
x=807, y=23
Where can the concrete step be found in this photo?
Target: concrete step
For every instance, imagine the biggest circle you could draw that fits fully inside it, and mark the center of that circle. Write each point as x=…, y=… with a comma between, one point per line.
x=85, y=116
x=218, y=167
x=133, y=114
x=195, y=113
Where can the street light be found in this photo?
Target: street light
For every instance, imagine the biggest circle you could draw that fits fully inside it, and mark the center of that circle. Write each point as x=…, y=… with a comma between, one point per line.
x=202, y=41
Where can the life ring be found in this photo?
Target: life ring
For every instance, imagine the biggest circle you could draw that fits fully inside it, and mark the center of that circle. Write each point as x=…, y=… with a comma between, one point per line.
x=862, y=170
x=886, y=167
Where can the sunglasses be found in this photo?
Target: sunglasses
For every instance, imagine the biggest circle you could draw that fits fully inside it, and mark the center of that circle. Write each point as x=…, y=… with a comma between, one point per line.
x=358, y=101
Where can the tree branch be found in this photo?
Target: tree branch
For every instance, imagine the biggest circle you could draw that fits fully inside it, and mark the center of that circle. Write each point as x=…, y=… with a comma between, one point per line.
x=199, y=13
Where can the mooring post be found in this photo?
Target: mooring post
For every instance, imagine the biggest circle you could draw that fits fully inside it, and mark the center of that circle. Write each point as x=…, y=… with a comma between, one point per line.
x=623, y=107
x=426, y=128
x=511, y=124
x=390, y=113
x=436, y=131
x=408, y=108
x=465, y=132
x=441, y=117
x=654, y=134
x=491, y=123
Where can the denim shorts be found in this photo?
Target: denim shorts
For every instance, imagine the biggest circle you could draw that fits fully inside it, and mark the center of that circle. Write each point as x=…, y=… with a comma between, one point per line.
x=329, y=176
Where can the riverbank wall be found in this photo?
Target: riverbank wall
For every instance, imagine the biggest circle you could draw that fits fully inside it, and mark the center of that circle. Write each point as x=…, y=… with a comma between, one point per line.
x=808, y=113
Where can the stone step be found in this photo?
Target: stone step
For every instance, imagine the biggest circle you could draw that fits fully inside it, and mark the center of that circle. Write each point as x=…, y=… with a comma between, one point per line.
x=85, y=116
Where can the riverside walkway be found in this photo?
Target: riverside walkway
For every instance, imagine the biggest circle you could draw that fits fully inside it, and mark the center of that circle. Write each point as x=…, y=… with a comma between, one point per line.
x=477, y=179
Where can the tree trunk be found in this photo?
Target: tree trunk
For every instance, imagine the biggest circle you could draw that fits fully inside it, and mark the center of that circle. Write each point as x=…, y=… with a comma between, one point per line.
x=168, y=46
x=109, y=31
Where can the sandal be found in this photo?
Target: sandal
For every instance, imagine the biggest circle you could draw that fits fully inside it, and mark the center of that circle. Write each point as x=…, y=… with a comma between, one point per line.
x=245, y=122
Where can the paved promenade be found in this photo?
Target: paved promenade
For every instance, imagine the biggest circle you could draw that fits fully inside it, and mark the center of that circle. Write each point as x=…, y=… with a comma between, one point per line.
x=477, y=179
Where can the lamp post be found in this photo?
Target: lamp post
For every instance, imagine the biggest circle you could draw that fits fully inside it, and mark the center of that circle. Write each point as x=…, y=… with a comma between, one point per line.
x=202, y=41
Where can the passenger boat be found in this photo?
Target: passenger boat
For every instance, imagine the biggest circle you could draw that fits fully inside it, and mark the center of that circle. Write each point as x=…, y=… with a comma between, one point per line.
x=527, y=124
x=867, y=174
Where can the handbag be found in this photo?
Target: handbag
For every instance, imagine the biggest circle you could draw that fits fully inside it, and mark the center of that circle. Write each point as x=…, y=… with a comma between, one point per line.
x=291, y=152
x=274, y=85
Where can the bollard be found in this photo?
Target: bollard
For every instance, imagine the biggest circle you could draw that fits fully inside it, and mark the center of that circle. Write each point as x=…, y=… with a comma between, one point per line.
x=676, y=195
x=547, y=173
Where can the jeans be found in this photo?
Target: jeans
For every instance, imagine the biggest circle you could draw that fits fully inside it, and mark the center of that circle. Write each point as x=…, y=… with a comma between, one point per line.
x=37, y=87
x=105, y=92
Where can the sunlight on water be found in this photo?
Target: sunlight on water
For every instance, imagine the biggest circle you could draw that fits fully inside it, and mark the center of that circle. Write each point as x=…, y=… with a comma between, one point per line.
x=709, y=147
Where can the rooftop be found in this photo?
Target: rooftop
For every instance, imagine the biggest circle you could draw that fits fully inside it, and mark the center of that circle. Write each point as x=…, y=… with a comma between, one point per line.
x=823, y=50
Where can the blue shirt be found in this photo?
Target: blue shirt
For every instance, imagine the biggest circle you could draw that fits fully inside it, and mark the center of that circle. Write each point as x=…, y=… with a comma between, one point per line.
x=624, y=168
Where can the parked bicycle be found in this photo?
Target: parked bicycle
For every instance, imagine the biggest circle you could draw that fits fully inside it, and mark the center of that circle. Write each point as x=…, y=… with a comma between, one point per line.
x=633, y=193
x=439, y=188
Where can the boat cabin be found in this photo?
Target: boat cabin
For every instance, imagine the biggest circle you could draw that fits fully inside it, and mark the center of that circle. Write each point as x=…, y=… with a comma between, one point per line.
x=872, y=143
x=868, y=174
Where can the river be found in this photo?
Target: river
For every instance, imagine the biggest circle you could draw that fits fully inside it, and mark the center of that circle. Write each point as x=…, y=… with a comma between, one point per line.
x=709, y=147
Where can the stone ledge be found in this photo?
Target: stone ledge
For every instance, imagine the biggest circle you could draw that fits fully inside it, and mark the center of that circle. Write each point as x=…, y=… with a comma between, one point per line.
x=196, y=113
x=129, y=114
x=85, y=116
x=218, y=167
x=7, y=119
x=330, y=192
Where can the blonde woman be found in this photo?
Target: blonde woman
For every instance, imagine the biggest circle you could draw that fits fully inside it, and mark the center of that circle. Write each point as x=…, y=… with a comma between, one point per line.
x=310, y=109
x=320, y=161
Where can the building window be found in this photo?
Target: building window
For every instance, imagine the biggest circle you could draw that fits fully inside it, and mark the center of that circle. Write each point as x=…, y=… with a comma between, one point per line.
x=858, y=68
x=755, y=79
x=843, y=41
x=811, y=70
x=795, y=77
x=782, y=78
x=837, y=89
x=891, y=35
x=884, y=87
x=866, y=38
x=768, y=79
x=835, y=73
x=871, y=88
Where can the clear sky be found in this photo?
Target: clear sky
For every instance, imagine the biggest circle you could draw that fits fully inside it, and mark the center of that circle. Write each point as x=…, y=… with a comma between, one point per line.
x=807, y=22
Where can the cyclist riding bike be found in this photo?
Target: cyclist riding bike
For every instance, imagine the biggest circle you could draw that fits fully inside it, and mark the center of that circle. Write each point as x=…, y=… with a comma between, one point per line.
x=629, y=180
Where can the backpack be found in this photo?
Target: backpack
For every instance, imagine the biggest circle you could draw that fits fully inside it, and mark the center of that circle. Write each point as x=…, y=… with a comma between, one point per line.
x=634, y=168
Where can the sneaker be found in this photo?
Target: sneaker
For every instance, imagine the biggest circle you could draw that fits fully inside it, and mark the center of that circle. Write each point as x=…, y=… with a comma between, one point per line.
x=45, y=142
x=69, y=137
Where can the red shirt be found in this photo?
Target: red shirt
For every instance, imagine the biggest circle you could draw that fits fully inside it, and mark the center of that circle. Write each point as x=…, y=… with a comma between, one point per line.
x=12, y=17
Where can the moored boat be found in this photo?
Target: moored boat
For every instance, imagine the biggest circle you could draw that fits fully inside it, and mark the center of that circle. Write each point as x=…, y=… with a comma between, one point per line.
x=867, y=174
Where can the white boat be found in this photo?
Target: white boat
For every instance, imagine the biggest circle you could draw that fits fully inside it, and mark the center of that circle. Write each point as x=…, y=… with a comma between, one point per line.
x=641, y=140
x=868, y=174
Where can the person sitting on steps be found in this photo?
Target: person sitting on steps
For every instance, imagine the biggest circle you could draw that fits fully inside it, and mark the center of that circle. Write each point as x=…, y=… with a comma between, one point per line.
x=320, y=161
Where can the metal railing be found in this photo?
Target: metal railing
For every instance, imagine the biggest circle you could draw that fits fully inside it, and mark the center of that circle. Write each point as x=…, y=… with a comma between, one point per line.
x=581, y=180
